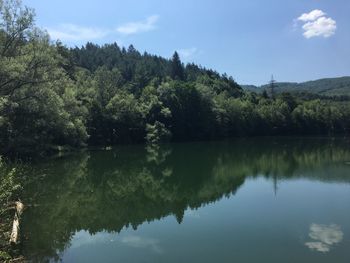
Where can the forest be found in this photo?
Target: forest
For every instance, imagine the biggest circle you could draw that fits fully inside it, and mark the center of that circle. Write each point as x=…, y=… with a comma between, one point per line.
x=54, y=97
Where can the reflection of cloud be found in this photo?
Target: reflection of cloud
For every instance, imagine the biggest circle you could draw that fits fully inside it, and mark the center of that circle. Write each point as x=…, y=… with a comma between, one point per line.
x=192, y=213
x=141, y=242
x=83, y=238
x=318, y=246
x=324, y=237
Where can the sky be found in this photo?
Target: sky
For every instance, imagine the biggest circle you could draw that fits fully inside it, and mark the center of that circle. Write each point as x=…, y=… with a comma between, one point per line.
x=295, y=40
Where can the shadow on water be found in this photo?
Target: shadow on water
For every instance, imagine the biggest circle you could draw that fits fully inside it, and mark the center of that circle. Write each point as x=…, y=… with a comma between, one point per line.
x=129, y=185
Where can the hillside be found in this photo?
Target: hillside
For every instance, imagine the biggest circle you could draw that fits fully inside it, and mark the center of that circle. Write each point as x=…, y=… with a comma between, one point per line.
x=53, y=97
x=327, y=87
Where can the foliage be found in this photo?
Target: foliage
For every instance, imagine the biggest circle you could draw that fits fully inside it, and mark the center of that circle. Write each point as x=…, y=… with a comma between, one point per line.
x=51, y=95
x=9, y=185
x=10, y=190
x=157, y=133
x=38, y=105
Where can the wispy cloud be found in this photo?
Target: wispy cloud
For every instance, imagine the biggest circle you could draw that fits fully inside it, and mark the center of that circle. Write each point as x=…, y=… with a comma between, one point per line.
x=316, y=24
x=138, y=27
x=71, y=32
x=187, y=52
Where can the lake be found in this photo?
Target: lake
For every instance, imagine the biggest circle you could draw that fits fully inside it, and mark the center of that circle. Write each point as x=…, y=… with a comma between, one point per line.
x=246, y=200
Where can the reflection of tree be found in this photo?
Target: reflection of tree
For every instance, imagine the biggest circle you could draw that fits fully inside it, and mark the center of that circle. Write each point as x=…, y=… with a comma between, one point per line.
x=157, y=153
x=108, y=190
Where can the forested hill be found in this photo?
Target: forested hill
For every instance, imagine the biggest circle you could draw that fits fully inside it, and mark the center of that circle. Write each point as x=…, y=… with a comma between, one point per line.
x=51, y=96
x=326, y=87
x=138, y=70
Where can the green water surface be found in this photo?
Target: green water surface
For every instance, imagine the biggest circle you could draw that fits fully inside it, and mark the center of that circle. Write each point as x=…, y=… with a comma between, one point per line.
x=248, y=200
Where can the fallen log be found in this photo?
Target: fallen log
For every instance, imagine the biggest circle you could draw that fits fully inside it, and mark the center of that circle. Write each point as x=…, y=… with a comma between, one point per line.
x=15, y=225
x=20, y=259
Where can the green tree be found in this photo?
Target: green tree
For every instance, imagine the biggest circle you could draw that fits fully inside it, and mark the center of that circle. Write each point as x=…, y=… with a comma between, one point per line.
x=177, y=70
x=38, y=101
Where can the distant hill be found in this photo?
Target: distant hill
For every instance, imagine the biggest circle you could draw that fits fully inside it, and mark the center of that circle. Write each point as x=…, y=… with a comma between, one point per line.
x=327, y=87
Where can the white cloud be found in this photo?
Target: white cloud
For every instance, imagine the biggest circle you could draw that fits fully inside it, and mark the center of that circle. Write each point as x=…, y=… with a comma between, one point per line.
x=323, y=26
x=316, y=24
x=187, y=52
x=71, y=32
x=138, y=27
x=313, y=15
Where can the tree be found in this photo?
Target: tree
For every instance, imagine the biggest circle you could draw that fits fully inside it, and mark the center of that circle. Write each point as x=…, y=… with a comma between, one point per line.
x=19, y=65
x=38, y=103
x=289, y=99
x=157, y=133
x=177, y=70
x=272, y=87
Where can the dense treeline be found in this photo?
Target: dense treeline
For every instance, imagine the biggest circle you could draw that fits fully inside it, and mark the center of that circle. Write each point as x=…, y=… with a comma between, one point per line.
x=52, y=95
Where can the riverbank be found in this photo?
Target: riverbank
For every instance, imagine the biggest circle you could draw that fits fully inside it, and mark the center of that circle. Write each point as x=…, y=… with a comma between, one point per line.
x=10, y=192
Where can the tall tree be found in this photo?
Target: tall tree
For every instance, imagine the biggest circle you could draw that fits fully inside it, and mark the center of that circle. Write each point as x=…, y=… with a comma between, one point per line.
x=38, y=103
x=272, y=87
x=177, y=69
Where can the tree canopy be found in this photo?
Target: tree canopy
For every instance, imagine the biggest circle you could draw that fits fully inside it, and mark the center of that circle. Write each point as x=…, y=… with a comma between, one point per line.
x=52, y=95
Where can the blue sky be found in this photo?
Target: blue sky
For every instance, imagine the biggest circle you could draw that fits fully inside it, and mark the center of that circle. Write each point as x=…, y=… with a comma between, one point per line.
x=296, y=40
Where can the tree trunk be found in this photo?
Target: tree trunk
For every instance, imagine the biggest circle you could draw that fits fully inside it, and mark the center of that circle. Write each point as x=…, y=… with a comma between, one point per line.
x=15, y=225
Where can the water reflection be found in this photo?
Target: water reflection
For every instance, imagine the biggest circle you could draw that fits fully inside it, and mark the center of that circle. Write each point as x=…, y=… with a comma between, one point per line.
x=324, y=237
x=143, y=242
x=83, y=238
x=127, y=186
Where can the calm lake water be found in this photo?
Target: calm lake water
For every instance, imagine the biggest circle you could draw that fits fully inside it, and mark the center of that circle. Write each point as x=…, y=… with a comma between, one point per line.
x=249, y=200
